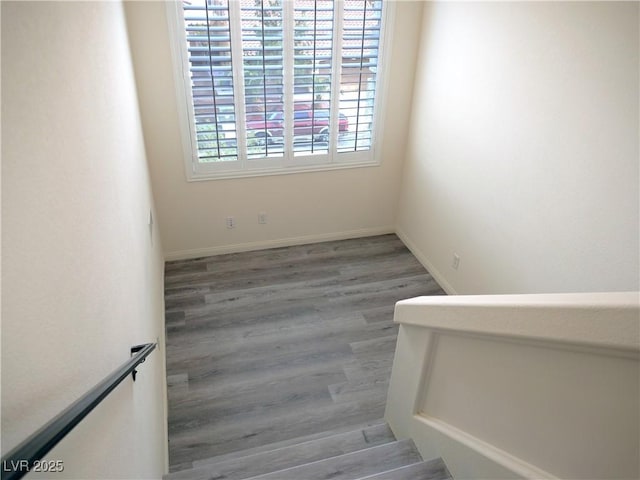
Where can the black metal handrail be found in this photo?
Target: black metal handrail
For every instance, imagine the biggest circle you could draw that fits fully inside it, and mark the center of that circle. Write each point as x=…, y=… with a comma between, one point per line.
x=19, y=461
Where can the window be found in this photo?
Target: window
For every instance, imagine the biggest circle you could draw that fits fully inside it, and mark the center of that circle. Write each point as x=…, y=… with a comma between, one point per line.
x=274, y=86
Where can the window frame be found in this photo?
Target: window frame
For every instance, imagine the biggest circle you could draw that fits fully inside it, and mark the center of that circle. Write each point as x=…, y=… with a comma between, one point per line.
x=288, y=163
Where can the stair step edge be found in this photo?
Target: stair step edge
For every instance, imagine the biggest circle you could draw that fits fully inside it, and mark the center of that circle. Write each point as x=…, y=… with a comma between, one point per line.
x=291, y=456
x=403, y=444
x=434, y=469
x=284, y=443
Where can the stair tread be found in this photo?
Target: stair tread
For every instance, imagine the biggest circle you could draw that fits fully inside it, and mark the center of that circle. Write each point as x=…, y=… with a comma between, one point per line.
x=286, y=443
x=284, y=457
x=432, y=470
x=353, y=465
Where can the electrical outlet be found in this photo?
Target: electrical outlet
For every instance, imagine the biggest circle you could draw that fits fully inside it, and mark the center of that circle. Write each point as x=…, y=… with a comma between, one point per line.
x=456, y=261
x=231, y=222
x=262, y=217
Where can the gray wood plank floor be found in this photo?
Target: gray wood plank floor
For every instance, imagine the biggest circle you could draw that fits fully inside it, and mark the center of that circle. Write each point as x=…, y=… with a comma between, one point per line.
x=267, y=346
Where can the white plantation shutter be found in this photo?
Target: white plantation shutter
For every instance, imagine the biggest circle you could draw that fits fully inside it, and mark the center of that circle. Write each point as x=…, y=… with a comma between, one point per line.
x=262, y=37
x=208, y=35
x=281, y=84
x=312, y=66
x=361, y=31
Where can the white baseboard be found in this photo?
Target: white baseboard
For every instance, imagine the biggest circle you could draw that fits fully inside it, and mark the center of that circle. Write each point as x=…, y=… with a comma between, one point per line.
x=422, y=258
x=283, y=242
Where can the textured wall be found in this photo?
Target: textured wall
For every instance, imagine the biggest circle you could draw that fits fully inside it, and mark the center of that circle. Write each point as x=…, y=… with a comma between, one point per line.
x=82, y=269
x=523, y=151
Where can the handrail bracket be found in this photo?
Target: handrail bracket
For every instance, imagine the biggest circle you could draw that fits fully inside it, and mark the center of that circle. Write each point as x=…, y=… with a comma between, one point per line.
x=135, y=349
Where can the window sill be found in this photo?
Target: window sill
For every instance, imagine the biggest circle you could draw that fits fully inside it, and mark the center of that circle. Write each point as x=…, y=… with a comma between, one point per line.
x=264, y=172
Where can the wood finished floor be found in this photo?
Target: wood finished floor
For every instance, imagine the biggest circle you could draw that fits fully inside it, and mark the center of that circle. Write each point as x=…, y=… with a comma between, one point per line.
x=267, y=346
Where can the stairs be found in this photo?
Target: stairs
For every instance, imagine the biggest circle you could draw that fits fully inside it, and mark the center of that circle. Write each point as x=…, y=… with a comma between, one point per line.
x=369, y=452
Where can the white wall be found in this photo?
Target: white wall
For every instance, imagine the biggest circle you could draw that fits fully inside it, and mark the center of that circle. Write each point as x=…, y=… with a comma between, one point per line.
x=300, y=207
x=82, y=269
x=520, y=386
x=523, y=150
